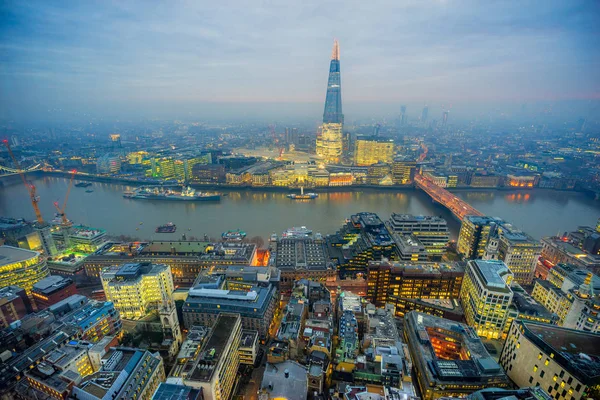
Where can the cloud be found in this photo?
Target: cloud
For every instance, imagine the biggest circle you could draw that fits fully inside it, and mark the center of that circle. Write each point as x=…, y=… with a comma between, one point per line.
x=269, y=51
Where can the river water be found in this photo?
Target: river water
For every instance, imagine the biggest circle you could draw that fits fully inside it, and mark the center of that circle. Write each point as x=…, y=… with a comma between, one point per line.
x=539, y=212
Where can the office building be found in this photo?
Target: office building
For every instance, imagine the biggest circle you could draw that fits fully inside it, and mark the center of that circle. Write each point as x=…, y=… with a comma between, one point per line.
x=403, y=171
x=286, y=380
x=361, y=239
x=22, y=268
x=486, y=296
x=329, y=141
x=188, y=258
x=248, y=347
x=108, y=164
x=577, y=307
x=135, y=289
x=474, y=234
x=51, y=290
x=56, y=375
x=530, y=393
x=91, y=319
x=14, y=305
x=390, y=282
x=86, y=239
x=556, y=250
x=410, y=249
x=302, y=258
x=126, y=373
x=525, y=307
x=255, y=306
x=215, y=369
x=563, y=362
x=430, y=230
x=171, y=391
x=448, y=357
x=369, y=150
x=519, y=251
x=425, y=114
x=13, y=230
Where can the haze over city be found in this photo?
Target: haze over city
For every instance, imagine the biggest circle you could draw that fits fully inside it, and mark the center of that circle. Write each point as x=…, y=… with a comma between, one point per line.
x=66, y=60
x=300, y=200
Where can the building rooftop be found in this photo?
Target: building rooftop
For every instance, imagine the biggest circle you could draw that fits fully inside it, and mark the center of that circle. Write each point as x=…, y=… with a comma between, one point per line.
x=51, y=284
x=424, y=268
x=533, y=393
x=212, y=351
x=169, y=391
x=286, y=380
x=84, y=232
x=492, y=273
x=249, y=337
x=9, y=293
x=300, y=253
x=131, y=271
x=576, y=351
x=10, y=255
x=458, y=355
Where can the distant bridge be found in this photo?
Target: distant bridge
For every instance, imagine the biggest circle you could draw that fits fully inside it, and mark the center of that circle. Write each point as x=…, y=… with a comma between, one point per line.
x=458, y=207
x=4, y=170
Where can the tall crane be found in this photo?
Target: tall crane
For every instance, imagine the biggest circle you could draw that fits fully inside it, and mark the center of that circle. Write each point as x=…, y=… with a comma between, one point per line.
x=61, y=211
x=30, y=186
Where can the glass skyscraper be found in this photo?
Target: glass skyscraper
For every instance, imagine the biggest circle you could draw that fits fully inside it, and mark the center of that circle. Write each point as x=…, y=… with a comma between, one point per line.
x=329, y=140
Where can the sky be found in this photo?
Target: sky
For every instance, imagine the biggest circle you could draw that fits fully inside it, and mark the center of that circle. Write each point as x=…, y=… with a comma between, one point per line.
x=160, y=57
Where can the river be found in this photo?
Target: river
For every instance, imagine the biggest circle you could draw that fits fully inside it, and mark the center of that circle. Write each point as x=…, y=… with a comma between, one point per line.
x=538, y=212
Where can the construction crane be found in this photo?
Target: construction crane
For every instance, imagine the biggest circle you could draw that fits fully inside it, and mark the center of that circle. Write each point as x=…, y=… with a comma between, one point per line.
x=30, y=186
x=61, y=211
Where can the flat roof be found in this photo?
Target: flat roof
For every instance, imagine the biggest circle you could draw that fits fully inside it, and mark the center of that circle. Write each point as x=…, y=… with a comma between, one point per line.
x=169, y=391
x=491, y=273
x=10, y=255
x=212, y=351
x=576, y=351
x=51, y=284
x=249, y=337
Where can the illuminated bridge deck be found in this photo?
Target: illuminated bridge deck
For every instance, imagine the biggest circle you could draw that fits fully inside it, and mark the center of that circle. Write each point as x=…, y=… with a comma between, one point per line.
x=459, y=207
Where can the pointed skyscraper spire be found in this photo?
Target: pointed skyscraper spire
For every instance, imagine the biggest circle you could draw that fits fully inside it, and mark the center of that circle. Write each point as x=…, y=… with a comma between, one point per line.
x=335, y=53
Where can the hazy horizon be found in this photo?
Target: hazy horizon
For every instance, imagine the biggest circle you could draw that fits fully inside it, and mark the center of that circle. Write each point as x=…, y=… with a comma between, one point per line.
x=139, y=60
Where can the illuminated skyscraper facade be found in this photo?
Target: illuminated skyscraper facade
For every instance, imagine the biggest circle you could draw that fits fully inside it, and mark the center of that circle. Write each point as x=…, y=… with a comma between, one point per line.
x=329, y=140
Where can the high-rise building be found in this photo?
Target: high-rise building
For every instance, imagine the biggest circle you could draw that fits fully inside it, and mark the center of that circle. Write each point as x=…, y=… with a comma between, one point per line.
x=486, y=296
x=519, y=251
x=138, y=288
x=474, y=235
x=369, y=150
x=430, y=230
x=329, y=141
x=389, y=282
x=403, y=115
x=215, y=369
x=445, y=118
x=22, y=268
x=108, y=164
x=403, y=171
x=255, y=306
x=425, y=114
x=564, y=362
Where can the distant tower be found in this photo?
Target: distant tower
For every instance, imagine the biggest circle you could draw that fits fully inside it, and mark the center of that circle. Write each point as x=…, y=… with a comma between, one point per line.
x=376, y=129
x=580, y=126
x=116, y=140
x=329, y=141
x=445, y=119
x=403, y=115
x=425, y=114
